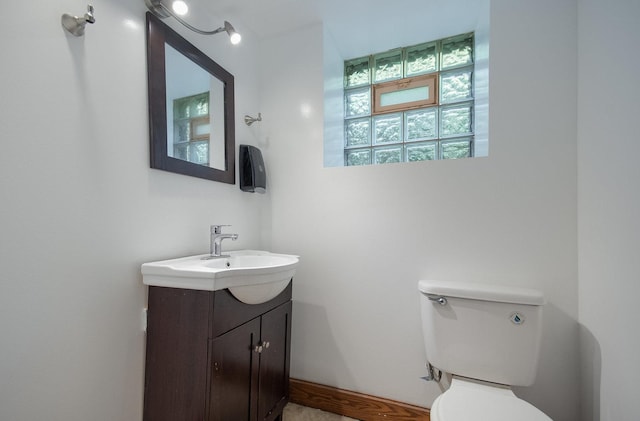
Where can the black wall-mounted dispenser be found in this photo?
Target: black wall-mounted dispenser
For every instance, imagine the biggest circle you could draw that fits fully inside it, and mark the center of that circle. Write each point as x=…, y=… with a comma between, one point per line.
x=252, y=175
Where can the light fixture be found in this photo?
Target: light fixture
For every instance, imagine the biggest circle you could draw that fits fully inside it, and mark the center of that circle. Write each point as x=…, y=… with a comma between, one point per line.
x=180, y=7
x=158, y=8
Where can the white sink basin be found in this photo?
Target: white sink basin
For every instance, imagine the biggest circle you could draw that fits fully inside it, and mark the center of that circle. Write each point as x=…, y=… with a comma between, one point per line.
x=252, y=276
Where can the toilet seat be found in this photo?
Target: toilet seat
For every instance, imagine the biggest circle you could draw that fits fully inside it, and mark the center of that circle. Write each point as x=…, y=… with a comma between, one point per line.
x=468, y=399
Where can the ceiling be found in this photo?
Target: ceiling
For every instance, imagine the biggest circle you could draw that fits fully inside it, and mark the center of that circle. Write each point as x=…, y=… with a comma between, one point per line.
x=360, y=27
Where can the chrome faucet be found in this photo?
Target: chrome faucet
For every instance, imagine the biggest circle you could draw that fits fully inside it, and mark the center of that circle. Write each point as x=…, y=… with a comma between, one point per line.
x=215, y=250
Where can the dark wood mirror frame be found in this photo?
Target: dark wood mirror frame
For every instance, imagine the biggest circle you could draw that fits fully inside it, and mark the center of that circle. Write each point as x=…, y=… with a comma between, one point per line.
x=157, y=35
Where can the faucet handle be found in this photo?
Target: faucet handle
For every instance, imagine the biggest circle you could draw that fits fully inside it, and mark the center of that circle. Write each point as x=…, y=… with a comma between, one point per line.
x=217, y=229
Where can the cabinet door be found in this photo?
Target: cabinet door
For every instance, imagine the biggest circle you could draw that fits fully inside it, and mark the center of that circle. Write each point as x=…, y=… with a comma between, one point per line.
x=274, y=362
x=234, y=368
x=177, y=355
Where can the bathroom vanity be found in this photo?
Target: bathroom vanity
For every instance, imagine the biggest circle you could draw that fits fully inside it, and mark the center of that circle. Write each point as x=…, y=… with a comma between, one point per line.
x=211, y=357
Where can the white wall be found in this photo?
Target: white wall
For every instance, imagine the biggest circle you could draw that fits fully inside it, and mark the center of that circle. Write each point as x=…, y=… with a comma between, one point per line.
x=608, y=207
x=81, y=209
x=368, y=234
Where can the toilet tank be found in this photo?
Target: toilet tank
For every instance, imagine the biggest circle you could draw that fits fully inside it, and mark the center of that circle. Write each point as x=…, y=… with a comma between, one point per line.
x=484, y=332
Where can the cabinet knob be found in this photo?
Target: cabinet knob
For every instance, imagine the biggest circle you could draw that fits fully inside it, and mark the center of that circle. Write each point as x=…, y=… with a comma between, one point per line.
x=258, y=349
x=266, y=344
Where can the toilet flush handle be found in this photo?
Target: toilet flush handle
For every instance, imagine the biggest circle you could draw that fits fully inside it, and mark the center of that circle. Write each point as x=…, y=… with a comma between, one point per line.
x=438, y=299
x=431, y=374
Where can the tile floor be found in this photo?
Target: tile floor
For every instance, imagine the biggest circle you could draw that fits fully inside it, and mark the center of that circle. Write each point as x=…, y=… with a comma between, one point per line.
x=293, y=412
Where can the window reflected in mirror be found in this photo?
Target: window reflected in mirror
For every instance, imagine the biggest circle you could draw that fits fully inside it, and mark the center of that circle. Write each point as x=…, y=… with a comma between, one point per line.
x=190, y=140
x=195, y=125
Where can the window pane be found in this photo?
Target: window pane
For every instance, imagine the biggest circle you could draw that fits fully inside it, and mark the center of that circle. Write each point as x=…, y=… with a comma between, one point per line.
x=357, y=102
x=201, y=105
x=456, y=149
x=199, y=152
x=420, y=93
x=200, y=128
x=181, y=131
x=455, y=120
x=358, y=132
x=421, y=124
x=422, y=152
x=421, y=59
x=358, y=157
x=180, y=108
x=387, y=128
x=181, y=151
x=388, y=155
x=387, y=66
x=191, y=106
x=356, y=72
x=455, y=86
x=404, y=94
x=457, y=51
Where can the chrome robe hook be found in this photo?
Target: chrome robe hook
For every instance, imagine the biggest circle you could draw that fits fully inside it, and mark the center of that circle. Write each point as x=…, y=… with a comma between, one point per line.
x=75, y=25
x=248, y=120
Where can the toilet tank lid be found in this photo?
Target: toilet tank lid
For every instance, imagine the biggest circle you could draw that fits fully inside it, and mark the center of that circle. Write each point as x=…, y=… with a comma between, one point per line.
x=483, y=292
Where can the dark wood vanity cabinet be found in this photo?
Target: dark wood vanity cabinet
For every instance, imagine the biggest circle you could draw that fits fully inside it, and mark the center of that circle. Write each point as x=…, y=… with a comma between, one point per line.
x=211, y=357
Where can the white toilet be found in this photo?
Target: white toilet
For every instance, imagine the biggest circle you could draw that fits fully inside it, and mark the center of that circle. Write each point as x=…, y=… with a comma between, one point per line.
x=488, y=338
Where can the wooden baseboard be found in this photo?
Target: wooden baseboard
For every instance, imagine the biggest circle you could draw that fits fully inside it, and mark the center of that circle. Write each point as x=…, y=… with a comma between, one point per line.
x=353, y=404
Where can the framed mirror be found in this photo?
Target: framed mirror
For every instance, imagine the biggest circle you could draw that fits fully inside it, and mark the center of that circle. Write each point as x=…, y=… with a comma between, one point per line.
x=191, y=108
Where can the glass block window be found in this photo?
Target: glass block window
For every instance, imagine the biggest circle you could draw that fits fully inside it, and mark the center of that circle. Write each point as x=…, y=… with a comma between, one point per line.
x=410, y=104
x=191, y=128
x=387, y=66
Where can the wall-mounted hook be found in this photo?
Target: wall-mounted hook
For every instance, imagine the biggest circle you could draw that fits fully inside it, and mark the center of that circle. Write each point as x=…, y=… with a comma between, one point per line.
x=75, y=25
x=248, y=120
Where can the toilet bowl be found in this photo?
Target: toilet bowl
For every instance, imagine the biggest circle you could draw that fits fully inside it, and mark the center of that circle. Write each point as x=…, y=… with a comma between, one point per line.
x=471, y=400
x=488, y=338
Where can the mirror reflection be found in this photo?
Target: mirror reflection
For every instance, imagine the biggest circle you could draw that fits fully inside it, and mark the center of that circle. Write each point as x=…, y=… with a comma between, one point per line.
x=195, y=112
